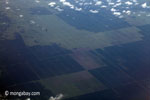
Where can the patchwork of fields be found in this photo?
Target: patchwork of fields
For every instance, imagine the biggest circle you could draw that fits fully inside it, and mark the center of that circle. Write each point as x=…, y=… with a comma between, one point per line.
x=84, y=56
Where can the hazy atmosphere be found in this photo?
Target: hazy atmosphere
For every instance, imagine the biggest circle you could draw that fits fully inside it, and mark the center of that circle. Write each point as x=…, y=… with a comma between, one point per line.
x=74, y=50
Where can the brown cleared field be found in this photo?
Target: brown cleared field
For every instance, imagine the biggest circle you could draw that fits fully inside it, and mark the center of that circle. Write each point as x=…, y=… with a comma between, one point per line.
x=86, y=59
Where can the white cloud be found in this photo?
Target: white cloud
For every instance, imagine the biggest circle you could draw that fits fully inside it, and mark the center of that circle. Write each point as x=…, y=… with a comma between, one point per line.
x=78, y=9
x=98, y=3
x=112, y=9
x=118, y=0
x=94, y=11
x=65, y=3
x=37, y=1
x=117, y=4
x=87, y=3
x=111, y=3
x=7, y=8
x=144, y=5
x=128, y=3
x=128, y=12
x=32, y=22
x=20, y=16
x=62, y=0
x=103, y=6
x=117, y=13
x=58, y=97
x=83, y=5
x=52, y=4
x=28, y=99
x=58, y=8
x=7, y=2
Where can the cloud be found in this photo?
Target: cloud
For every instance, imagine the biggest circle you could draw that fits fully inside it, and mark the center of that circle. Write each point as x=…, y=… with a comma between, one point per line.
x=58, y=97
x=144, y=5
x=32, y=22
x=62, y=0
x=58, y=8
x=103, y=6
x=52, y=4
x=128, y=12
x=78, y=9
x=65, y=3
x=117, y=13
x=98, y=3
x=128, y=3
x=117, y=4
x=20, y=16
x=7, y=8
x=37, y=1
x=112, y=9
x=94, y=11
x=89, y=5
